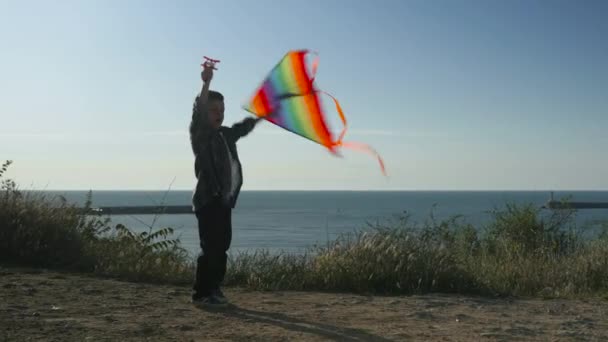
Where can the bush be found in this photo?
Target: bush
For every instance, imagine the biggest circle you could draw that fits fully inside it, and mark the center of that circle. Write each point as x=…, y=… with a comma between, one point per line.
x=39, y=231
x=523, y=251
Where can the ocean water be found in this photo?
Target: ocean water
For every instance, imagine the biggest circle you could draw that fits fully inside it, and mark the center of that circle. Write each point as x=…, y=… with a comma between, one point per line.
x=292, y=221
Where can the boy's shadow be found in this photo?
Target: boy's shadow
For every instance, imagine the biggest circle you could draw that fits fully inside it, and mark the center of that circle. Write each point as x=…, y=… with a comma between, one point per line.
x=294, y=324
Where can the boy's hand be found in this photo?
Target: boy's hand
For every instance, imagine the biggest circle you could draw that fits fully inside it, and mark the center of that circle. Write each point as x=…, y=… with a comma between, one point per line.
x=207, y=73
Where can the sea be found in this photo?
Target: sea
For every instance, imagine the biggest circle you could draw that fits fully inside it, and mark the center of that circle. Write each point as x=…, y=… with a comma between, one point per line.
x=295, y=221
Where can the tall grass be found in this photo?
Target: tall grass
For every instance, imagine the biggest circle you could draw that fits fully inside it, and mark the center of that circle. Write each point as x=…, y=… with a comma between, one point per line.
x=523, y=251
x=41, y=231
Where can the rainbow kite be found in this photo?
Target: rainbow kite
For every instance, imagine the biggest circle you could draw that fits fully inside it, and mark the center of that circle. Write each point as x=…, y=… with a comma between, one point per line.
x=288, y=99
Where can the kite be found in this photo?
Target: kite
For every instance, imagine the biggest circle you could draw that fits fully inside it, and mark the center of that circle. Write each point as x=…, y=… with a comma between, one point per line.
x=289, y=99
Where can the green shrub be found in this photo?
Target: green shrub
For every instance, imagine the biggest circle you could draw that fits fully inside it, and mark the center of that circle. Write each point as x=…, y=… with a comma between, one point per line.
x=39, y=231
x=523, y=251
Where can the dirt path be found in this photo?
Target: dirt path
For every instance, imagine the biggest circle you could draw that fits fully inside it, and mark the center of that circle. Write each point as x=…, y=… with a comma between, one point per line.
x=37, y=305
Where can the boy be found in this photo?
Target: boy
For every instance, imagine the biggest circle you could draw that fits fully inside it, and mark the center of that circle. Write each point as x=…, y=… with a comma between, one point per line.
x=219, y=179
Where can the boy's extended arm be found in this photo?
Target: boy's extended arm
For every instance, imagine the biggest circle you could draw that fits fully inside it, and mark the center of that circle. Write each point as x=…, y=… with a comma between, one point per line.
x=244, y=127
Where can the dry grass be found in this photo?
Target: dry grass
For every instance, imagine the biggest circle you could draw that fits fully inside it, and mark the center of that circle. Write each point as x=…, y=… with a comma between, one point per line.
x=523, y=251
x=41, y=231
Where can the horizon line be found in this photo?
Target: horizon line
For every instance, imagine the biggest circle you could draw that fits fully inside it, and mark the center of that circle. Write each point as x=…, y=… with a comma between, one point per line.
x=344, y=190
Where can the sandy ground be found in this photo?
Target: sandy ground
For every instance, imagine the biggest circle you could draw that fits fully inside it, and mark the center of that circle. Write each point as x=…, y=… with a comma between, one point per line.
x=39, y=305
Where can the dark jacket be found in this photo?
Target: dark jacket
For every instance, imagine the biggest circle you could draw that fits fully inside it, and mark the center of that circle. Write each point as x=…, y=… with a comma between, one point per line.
x=212, y=162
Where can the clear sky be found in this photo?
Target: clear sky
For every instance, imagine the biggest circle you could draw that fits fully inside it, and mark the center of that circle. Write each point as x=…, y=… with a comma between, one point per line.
x=455, y=95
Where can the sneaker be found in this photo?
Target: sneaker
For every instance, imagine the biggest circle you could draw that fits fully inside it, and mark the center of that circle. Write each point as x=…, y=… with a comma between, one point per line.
x=207, y=301
x=218, y=295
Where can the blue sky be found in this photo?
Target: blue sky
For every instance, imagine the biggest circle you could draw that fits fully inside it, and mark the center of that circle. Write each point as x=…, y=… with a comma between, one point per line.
x=455, y=95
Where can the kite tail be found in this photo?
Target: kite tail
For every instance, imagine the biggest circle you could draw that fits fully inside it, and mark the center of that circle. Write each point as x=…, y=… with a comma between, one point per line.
x=366, y=149
x=341, y=114
x=315, y=67
x=354, y=145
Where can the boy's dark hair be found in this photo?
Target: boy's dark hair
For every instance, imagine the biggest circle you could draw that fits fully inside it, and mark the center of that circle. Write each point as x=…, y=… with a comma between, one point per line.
x=215, y=95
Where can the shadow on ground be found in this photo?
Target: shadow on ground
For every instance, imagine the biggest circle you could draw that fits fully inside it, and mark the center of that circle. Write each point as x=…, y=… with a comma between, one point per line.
x=294, y=324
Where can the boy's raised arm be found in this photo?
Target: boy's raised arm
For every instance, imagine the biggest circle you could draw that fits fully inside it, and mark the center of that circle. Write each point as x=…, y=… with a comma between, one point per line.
x=199, y=126
x=200, y=122
x=201, y=131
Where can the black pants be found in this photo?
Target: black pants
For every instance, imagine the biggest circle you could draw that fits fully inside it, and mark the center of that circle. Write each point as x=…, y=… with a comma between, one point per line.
x=215, y=232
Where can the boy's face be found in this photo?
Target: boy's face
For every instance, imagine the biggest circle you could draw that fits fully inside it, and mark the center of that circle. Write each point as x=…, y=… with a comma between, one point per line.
x=216, y=113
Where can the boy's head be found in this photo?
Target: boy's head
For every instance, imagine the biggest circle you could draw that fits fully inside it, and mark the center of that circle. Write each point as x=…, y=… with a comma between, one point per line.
x=216, y=109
